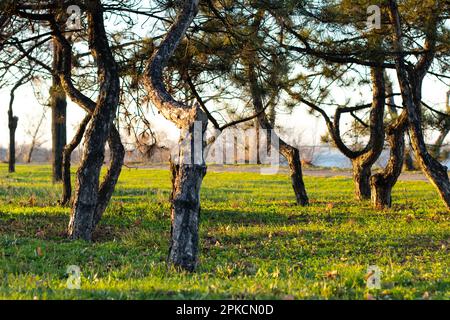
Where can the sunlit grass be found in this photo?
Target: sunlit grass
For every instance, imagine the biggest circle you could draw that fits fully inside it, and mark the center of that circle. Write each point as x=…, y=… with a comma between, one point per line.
x=255, y=243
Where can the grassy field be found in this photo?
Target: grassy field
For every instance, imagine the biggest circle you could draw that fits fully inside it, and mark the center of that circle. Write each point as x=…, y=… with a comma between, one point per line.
x=255, y=243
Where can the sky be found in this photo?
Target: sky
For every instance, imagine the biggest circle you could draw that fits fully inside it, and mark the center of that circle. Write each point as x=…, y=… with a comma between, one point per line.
x=299, y=126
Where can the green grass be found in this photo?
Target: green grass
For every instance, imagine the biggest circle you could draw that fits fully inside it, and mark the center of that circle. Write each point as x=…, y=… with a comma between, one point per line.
x=255, y=243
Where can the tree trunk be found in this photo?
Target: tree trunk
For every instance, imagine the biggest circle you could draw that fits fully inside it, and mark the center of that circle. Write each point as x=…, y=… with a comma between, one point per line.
x=383, y=182
x=67, y=154
x=12, y=124
x=292, y=156
x=362, y=163
x=30, y=152
x=409, y=162
x=187, y=174
x=58, y=106
x=410, y=81
x=361, y=177
x=187, y=177
x=82, y=221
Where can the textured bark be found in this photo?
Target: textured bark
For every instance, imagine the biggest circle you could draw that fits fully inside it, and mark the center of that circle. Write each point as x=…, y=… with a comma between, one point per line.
x=90, y=198
x=410, y=81
x=187, y=172
x=362, y=164
x=383, y=182
x=58, y=105
x=362, y=170
x=362, y=159
x=186, y=184
x=292, y=156
x=82, y=221
x=67, y=154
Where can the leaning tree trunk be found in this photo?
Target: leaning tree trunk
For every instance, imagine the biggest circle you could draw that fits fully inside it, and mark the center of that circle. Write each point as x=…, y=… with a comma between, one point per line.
x=190, y=167
x=292, y=156
x=410, y=81
x=383, y=182
x=58, y=106
x=12, y=124
x=82, y=221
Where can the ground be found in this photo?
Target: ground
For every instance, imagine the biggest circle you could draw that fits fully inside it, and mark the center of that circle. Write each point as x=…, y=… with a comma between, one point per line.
x=255, y=243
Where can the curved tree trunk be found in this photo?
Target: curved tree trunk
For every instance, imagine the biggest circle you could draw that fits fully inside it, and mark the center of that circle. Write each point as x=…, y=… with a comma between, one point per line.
x=410, y=81
x=292, y=156
x=362, y=163
x=82, y=221
x=12, y=124
x=190, y=167
x=90, y=199
x=383, y=182
x=58, y=106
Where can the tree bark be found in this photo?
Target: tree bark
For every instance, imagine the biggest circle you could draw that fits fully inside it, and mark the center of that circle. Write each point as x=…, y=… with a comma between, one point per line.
x=362, y=163
x=292, y=156
x=258, y=141
x=82, y=221
x=12, y=124
x=411, y=80
x=59, y=106
x=383, y=182
x=90, y=199
x=187, y=177
x=190, y=167
x=408, y=163
x=362, y=171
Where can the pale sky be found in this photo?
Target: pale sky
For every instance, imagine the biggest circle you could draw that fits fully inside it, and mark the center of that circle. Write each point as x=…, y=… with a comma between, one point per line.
x=299, y=123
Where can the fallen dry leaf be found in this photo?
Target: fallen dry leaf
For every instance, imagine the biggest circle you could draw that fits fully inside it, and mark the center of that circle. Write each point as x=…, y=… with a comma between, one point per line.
x=39, y=252
x=331, y=274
